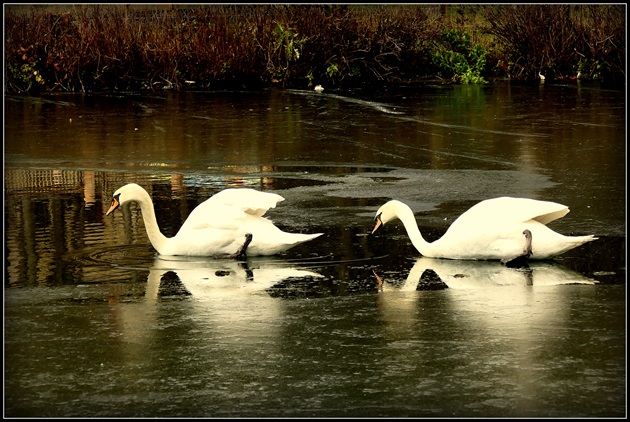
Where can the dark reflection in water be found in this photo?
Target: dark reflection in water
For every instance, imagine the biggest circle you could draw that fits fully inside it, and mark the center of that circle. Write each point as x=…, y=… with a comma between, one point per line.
x=97, y=325
x=503, y=351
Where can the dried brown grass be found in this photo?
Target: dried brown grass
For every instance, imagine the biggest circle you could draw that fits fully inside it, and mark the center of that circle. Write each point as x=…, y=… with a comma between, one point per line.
x=108, y=47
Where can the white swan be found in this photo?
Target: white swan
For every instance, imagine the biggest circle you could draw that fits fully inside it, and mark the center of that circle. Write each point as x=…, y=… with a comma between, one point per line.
x=230, y=223
x=492, y=229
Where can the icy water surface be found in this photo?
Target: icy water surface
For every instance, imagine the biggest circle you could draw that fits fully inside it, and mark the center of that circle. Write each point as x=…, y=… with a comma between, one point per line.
x=97, y=324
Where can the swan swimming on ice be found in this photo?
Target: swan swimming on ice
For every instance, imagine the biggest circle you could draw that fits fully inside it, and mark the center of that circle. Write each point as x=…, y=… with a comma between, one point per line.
x=492, y=229
x=228, y=224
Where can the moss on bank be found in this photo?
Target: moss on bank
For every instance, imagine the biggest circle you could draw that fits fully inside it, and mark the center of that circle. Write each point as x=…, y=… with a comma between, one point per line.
x=123, y=47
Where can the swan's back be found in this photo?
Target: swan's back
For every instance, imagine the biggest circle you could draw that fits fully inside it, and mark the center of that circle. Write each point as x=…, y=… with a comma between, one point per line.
x=492, y=229
x=507, y=210
x=251, y=201
x=232, y=203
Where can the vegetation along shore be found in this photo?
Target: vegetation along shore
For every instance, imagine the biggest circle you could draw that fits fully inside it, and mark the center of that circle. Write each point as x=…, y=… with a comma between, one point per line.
x=91, y=48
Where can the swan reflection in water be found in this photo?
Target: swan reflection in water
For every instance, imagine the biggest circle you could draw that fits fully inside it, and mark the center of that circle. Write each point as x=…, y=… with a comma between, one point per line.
x=207, y=277
x=490, y=319
x=435, y=274
x=206, y=306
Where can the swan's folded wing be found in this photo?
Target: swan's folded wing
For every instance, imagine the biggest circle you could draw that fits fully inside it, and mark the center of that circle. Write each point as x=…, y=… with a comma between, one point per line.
x=248, y=200
x=509, y=210
x=219, y=217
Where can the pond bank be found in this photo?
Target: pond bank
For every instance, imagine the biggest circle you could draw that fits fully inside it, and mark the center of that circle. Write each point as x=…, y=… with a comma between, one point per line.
x=121, y=47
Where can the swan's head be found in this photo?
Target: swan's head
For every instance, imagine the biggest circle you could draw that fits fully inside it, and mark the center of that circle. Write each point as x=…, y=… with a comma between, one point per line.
x=130, y=192
x=386, y=213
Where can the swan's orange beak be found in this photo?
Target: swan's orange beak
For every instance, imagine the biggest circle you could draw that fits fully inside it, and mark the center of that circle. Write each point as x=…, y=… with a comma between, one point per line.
x=377, y=223
x=115, y=204
x=378, y=279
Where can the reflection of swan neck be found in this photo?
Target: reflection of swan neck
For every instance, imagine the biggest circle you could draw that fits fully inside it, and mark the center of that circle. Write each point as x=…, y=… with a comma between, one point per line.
x=409, y=221
x=158, y=240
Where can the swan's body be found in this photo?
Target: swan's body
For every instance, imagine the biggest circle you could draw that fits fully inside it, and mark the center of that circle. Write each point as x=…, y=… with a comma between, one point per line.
x=492, y=229
x=218, y=226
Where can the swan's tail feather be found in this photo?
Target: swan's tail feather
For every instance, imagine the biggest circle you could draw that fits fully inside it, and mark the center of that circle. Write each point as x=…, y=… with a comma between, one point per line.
x=298, y=238
x=583, y=239
x=570, y=242
x=279, y=244
x=575, y=241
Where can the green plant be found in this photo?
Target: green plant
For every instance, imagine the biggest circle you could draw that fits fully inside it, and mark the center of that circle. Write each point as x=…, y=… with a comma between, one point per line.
x=27, y=75
x=332, y=70
x=457, y=57
x=286, y=48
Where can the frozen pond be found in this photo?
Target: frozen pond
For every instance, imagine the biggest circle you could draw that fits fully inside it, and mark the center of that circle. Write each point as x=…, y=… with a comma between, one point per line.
x=98, y=325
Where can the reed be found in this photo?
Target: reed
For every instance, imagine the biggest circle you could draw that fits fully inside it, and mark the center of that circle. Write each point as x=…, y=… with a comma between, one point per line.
x=561, y=40
x=125, y=47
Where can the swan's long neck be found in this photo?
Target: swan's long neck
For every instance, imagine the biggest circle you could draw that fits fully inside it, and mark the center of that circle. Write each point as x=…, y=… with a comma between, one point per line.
x=158, y=240
x=405, y=215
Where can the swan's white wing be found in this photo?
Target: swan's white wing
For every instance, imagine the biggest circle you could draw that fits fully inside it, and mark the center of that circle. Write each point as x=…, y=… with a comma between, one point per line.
x=217, y=216
x=220, y=230
x=248, y=200
x=506, y=210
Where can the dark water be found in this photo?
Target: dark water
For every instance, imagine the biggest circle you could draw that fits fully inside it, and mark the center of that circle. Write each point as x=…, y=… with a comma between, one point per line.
x=97, y=325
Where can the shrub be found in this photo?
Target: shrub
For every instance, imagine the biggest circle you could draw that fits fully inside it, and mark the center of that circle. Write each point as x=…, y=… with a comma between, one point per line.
x=127, y=47
x=458, y=58
x=560, y=39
